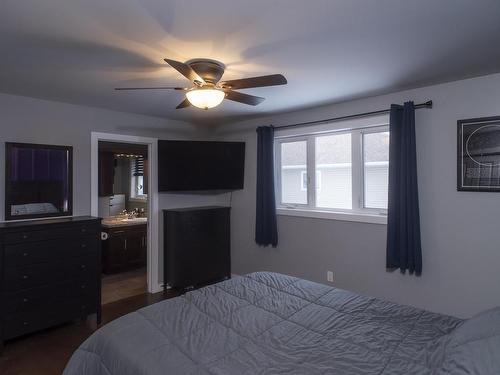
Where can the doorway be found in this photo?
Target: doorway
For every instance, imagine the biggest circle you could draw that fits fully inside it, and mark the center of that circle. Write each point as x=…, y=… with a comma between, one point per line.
x=124, y=194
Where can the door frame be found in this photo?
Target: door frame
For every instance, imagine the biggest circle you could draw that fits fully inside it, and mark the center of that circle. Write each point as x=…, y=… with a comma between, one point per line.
x=154, y=284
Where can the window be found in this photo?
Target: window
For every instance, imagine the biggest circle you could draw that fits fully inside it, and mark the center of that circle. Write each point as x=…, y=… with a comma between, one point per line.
x=137, y=188
x=376, y=169
x=333, y=158
x=337, y=171
x=293, y=172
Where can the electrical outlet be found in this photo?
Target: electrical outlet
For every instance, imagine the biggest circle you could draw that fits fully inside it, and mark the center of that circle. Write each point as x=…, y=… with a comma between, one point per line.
x=329, y=276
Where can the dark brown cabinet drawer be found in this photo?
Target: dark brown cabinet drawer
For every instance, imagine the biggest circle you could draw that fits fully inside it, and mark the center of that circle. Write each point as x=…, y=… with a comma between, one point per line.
x=47, y=273
x=52, y=233
x=83, y=267
x=46, y=251
x=84, y=229
x=19, y=324
x=20, y=237
x=31, y=276
x=49, y=296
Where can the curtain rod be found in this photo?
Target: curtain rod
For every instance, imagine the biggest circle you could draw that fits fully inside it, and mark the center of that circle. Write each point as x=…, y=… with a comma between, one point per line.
x=427, y=104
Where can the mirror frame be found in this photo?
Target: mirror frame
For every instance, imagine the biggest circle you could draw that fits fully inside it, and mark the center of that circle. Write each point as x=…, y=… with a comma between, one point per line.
x=8, y=186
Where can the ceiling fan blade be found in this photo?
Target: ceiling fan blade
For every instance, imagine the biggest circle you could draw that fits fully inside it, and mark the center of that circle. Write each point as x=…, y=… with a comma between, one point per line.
x=262, y=81
x=185, y=70
x=150, y=88
x=185, y=103
x=243, y=98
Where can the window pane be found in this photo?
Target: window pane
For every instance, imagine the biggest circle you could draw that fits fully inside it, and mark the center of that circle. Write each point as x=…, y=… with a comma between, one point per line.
x=140, y=187
x=376, y=169
x=334, y=171
x=294, y=172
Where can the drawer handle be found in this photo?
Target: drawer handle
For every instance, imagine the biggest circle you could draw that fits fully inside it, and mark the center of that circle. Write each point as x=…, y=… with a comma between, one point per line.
x=25, y=236
x=25, y=277
x=84, y=230
x=83, y=266
x=83, y=286
x=25, y=254
x=25, y=300
x=84, y=245
x=25, y=323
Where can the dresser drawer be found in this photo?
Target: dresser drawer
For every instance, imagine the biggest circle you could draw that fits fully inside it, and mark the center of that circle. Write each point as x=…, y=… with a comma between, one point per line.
x=20, y=237
x=30, y=276
x=49, y=296
x=46, y=251
x=52, y=233
x=20, y=278
x=86, y=267
x=84, y=229
x=22, y=323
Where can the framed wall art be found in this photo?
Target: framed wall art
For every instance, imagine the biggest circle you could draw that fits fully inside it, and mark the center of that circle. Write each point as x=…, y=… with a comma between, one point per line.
x=478, y=164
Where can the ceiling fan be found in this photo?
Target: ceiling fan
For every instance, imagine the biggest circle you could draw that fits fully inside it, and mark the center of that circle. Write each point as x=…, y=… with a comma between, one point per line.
x=207, y=92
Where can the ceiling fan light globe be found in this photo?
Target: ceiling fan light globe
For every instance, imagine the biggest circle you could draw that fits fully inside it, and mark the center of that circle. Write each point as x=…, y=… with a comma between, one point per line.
x=205, y=98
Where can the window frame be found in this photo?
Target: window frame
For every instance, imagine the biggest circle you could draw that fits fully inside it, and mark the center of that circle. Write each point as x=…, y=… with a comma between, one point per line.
x=318, y=181
x=358, y=212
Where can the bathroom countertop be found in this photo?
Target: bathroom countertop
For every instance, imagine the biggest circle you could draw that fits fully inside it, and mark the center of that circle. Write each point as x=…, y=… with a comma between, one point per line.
x=115, y=222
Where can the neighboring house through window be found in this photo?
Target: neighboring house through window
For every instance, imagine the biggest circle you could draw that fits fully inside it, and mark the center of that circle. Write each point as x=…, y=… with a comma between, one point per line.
x=335, y=169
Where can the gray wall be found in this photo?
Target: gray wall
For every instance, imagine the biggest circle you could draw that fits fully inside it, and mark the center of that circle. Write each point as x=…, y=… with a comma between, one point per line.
x=460, y=230
x=31, y=120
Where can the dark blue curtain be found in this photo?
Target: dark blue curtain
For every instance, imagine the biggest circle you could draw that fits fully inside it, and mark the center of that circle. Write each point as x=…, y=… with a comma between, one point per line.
x=403, y=222
x=266, y=231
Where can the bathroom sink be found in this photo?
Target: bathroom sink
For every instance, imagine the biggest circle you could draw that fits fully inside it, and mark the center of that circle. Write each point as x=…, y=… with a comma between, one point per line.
x=135, y=220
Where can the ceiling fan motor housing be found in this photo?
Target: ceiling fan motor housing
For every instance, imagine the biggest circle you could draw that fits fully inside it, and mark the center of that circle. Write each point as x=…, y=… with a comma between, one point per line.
x=210, y=70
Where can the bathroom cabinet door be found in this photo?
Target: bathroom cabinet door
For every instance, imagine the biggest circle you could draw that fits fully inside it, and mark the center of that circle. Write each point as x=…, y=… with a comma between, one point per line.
x=125, y=249
x=106, y=173
x=113, y=253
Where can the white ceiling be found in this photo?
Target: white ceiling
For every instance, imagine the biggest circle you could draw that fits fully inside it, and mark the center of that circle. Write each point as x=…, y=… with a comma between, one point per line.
x=77, y=51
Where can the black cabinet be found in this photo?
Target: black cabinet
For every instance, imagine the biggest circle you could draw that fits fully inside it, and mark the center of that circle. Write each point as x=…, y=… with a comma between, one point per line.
x=49, y=273
x=196, y=246
x=106, y=173
x=125, y=249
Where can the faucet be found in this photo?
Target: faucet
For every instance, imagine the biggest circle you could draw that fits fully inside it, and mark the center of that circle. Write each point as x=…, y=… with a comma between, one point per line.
x=135, y=213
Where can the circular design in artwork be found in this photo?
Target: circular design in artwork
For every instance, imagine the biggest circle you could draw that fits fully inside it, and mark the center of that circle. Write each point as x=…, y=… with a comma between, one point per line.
x=481, y=139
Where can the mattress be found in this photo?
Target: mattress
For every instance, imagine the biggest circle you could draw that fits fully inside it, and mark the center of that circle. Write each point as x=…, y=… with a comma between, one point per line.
x=267, y=323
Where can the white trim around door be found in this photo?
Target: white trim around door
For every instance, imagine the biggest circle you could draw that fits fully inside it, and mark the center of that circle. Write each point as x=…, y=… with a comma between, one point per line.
x=154, y=285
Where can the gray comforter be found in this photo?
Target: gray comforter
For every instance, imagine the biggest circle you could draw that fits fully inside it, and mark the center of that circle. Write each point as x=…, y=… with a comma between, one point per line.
x=267, y=323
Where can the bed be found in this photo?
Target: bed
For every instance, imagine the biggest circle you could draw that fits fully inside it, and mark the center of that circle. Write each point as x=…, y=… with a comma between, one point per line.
x=268, y=323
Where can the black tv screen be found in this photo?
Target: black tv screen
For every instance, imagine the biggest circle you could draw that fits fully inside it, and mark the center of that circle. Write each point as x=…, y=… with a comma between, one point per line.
x=200, y=165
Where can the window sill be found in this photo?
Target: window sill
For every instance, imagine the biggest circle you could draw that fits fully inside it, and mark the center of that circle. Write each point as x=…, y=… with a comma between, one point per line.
x=331, y=215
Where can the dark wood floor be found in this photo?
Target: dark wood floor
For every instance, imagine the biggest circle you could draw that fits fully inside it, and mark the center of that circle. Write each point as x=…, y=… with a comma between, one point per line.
x=123, y=285
x=47, y=352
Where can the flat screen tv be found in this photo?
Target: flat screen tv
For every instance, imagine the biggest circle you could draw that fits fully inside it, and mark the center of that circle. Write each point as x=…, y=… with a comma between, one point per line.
x=38, y=181
x=191, y=166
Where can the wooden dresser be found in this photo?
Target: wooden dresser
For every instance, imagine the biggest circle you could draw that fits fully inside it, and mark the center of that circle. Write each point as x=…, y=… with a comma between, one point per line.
x=197, y=248
x=49, y=273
